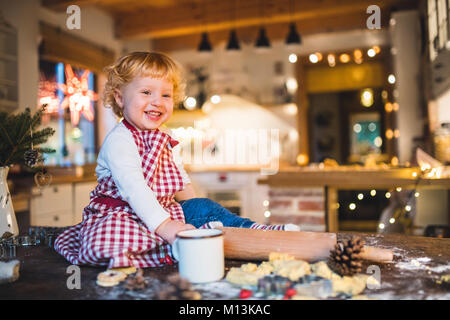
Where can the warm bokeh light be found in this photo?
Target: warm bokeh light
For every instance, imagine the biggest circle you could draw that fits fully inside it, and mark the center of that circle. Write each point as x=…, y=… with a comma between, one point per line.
x=302, y=159
x=389, y=134
x=344, y=58
x=331, y=60
x=292, y=58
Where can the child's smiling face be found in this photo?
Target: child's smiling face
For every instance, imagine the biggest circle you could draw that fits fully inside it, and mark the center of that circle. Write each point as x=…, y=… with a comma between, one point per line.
x=146, y=102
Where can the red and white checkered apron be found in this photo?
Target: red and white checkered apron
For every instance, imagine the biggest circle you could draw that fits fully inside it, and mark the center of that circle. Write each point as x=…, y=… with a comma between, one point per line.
x=111, y=233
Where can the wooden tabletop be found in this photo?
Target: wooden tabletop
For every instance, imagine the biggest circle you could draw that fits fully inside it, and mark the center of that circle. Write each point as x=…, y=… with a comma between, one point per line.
x=419, y=263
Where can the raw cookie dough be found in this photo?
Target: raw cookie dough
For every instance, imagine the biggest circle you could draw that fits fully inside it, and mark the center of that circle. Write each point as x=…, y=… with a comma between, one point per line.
x=350, y=285
x=321, y=269
x=285, y=265
x=292, y=269
x=239, y=277
x=263, y=269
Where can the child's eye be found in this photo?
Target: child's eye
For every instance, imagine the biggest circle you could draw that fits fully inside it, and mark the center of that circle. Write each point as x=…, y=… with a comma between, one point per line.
x=167, y=95
x=146, y=92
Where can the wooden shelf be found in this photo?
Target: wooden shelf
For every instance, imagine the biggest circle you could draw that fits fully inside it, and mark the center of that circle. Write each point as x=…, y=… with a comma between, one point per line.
x=9, y=57
x=349, y=178
x=8, y=104
x=8, y=82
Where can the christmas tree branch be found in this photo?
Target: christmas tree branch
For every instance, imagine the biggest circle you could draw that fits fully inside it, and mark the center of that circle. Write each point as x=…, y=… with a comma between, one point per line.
x=18, y=130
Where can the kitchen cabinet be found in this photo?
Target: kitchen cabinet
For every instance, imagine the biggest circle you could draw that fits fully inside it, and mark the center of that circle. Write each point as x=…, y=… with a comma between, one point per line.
x=8, y=67
x=61, y=204
x=52, y=206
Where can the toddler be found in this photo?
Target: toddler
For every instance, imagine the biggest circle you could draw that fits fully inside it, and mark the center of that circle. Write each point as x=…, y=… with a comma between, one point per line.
x=143, y=197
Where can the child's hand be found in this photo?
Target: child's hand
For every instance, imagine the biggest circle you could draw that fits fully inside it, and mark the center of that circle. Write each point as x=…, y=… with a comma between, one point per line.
x=169, y=229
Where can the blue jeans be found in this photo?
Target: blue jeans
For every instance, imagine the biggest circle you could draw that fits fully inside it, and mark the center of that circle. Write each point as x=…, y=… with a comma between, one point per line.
x=198, y=211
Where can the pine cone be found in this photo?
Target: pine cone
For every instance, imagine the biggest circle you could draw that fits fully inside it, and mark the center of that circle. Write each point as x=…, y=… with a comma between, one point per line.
x=178, y=288
x=31, y=157
x=136, y=281
x=345, y=259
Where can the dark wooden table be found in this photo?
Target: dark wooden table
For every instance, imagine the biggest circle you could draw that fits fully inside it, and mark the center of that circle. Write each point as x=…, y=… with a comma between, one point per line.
x=419, y=263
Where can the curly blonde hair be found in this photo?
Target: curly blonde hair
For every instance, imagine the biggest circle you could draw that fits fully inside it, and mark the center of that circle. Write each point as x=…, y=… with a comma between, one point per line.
x=142, y=64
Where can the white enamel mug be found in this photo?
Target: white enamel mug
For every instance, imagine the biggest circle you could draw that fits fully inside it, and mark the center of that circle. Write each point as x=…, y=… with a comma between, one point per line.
x=200, y=255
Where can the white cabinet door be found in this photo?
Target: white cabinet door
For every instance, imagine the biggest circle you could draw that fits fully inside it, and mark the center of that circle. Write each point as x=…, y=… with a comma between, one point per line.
x=81, y=192
x=52, y=199
x=52, y=219
x=52, y=206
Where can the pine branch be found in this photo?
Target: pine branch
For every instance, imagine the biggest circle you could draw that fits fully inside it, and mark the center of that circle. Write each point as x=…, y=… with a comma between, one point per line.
x=15, y=131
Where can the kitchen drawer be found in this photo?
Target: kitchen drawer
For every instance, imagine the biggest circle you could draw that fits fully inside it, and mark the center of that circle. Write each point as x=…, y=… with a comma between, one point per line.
x=52, y=219
x=53, y=199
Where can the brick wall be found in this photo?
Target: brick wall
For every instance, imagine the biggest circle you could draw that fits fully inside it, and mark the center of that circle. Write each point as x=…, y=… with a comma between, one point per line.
x=302, y=206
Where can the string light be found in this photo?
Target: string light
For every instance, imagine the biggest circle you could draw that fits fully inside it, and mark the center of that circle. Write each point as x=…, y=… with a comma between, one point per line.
x=388, y=107
x=389, y=134
x=392, y=220
x=387, y=195
x=266, y=203
x=360, y=196
x=190, y=103
x=215, y=99
x=352, y=206
x=398, y=189
x=313, y=58
x=331, y=60
x=371, y=53
x=373, y=192
x=267, y=214
x=408, y=208
x=394, y=161
x=344, y=58
x=292, y=58
x=381, y=226
x=417, y=194
x=302, y=159
x=358, y=55
x=391, y=79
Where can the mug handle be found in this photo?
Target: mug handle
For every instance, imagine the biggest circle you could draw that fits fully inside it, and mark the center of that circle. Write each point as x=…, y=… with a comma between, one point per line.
x=175, y=250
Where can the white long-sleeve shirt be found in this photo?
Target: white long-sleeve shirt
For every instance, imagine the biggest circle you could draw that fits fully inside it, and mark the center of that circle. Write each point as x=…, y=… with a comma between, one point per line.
x=119, y=158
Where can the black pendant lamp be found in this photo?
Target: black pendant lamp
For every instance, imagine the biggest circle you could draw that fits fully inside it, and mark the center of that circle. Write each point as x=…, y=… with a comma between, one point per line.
x=205, y=45
x=233, y=42
x=293, y=37
x=263, y=41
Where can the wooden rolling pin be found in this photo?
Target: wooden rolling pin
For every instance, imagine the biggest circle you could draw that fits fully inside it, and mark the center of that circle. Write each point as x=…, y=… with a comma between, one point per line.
x=253, y=244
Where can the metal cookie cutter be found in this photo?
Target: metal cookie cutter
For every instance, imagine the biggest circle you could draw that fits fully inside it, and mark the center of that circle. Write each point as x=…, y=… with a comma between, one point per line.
x=314, y=286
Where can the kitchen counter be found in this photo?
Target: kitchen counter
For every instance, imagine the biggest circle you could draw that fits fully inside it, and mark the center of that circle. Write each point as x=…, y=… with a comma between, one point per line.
x=354, y=177
x=418, y=265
